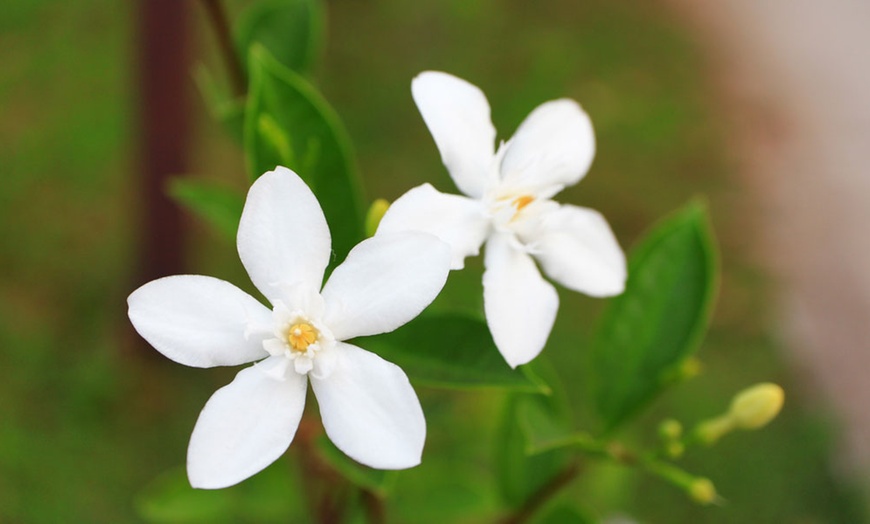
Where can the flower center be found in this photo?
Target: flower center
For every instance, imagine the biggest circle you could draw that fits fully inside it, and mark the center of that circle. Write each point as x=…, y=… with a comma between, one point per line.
x=301, y=335
x=522, y=201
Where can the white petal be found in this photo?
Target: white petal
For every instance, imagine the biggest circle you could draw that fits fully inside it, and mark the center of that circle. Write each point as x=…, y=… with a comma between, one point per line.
x=199, y=321
x=386, y=281
x=457, y=114
x=245, y=426
x=283, y=237
x=455, y=219
x=552, y=148
x=370, y=410
x=577, y=249
x=520, y=305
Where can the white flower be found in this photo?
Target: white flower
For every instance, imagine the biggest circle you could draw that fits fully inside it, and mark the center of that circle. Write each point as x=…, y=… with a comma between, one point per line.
x=508, y=206
x=368, y=407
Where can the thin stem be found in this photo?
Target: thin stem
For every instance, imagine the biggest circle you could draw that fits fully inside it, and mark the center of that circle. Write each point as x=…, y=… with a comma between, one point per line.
x=543, y=495
x=327, y=493
x=373, y=505
x=217, y=15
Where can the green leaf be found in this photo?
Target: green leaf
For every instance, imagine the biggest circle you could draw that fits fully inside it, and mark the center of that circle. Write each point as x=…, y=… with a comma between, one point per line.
x=376, y=480
x=292, y=31
x=218, y=206
x=647, y=333
x=269, y=496
x=288, y=123
x=544, y=429
x=521, y=474
x=225, y=108
x=451, y=351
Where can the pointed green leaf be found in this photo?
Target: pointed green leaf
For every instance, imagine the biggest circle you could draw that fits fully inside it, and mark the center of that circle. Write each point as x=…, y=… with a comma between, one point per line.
x=292, y=31
x=647, y=333
x=218, y=206
x=543, y=430
x=521, y=474
x=288, y=123
x=451, y=351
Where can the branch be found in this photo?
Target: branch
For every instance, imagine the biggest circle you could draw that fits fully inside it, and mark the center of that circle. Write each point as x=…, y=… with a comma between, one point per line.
x=218, y=17
x=543, y=495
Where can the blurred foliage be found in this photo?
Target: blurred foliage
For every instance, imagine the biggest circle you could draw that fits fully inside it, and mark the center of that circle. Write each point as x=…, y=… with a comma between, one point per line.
x=90, y=417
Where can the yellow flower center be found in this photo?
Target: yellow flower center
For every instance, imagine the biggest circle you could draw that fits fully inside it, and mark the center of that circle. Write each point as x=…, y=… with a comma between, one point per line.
x=301, y=335
x=522, y=201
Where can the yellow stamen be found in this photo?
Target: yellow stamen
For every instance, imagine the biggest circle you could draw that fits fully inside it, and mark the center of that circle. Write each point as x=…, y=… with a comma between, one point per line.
x=301, y=335
x=522, y=201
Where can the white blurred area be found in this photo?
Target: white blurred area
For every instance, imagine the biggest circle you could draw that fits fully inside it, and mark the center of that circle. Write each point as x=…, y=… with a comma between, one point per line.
x=794, y=76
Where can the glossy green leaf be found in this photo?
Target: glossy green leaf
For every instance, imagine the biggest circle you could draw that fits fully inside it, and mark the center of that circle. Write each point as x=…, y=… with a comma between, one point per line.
x=272, y=495
x=521, y=474
x=292, y=31
x=544, y=430
x=378, y=481
x=647, y=333
x=287, y=122
x=218, y=206
x=451, y=351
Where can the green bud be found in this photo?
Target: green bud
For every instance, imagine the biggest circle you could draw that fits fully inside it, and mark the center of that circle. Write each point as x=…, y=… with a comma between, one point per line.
x=670, y=429
x=756, y=406
x=702, y=491
x=675, y=449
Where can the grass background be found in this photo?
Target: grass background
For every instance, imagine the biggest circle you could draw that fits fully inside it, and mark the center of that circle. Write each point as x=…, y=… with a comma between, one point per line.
x=86, y=420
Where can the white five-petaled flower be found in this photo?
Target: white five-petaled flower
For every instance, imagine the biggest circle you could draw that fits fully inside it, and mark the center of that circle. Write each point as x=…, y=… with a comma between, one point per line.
x=368, y=407
x=508, y=206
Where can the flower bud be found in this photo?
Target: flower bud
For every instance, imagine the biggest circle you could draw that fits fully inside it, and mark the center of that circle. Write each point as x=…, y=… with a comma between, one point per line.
x=375, y=213
x=670, y=429
x=675, y=449
x=754, y=407
x=703, y=491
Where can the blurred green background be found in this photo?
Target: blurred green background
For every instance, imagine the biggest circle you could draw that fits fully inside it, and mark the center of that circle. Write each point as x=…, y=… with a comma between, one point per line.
x=88, y=417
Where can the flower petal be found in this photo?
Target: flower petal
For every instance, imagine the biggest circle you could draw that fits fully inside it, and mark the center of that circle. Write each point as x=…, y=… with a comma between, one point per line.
x=520, y=305
x=245, y=426
x=283, y=237
x=455, y=219
x=200, y=321
x=457, y=114
x=370, y=410
x=577, y=249
x=386, y=281
x=552, y=148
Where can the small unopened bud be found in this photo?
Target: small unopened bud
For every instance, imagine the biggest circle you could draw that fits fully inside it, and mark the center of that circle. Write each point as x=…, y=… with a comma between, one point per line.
x=373, y=218
x=754, y=407
x=675, y=449
x=690, y=368
x=703, y=491
x=670, y=429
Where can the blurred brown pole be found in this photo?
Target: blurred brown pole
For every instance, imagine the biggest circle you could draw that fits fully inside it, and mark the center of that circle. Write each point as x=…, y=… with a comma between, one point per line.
x=163, y=77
